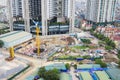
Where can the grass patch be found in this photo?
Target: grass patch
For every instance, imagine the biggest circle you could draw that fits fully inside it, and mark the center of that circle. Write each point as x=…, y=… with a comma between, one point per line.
x=80, y=47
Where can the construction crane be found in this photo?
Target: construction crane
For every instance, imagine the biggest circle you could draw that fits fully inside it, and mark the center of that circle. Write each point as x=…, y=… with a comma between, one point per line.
x=37, y=37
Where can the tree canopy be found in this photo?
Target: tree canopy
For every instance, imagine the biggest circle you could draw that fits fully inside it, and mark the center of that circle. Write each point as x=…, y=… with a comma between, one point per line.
x=99, y=61
x=1, y=43
x=49, y=74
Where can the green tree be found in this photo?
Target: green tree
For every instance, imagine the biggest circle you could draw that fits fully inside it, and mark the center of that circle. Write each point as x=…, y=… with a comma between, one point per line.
x=67, y=66
x=80, y=62
x=1, y=43
x=118, y=54
x=42, y=72
x=50, y=74
x=86, y=41
x=119, y=64
x=108, y=47
x=75, y=66
x=102, y=64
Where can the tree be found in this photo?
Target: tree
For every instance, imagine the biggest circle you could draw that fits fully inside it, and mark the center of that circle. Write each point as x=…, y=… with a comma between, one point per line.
x=108, y=47
x=80, y=62
x=102, y=64
x=75, y=66
x=42, y=72
x=67, y=66
x=1, y=43
x=118, y=54
x=87, y=41
x=119, y=64
x=50, y=74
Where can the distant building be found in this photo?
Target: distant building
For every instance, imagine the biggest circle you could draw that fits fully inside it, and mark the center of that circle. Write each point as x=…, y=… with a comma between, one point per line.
x=58, y=11
x=100, y=10
x=117, y=11
x=35, y=9
x=16, y=8
x=58, y=8
x=3, y=15
x=24, y=10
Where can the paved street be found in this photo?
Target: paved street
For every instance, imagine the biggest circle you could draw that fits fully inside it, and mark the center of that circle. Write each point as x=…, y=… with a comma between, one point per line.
x=73, y=74
x=35, y=64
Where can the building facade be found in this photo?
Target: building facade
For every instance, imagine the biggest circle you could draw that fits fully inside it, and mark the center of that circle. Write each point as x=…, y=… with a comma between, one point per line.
x=117, y=11
x=61, y=9
x=58, y=8
x=42, y=10
x=100, y=10
x=16, y=8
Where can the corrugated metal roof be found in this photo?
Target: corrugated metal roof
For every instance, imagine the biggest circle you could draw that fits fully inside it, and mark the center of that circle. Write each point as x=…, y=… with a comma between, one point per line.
x=86, y=76
x=13, y=36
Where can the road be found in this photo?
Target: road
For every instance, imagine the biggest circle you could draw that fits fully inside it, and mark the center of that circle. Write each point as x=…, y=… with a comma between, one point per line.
x=35, y=64
x=73, y=74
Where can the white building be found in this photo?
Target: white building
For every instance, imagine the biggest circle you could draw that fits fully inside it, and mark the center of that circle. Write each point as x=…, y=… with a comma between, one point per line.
x=117, y=12
x=16, y=8
x=45, y=9
x=58, y=8
x=3, y=15
x=14, y=38
x=101, y=10
x=61, y=9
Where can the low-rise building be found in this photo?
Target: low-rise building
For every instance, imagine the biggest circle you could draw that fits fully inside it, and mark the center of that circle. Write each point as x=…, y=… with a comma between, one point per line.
x=14, y=38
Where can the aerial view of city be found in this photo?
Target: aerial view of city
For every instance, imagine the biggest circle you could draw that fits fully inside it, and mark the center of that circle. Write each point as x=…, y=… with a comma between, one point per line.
x=59, y=39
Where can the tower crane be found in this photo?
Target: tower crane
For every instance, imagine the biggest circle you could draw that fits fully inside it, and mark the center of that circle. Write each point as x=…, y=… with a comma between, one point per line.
x=37, y=37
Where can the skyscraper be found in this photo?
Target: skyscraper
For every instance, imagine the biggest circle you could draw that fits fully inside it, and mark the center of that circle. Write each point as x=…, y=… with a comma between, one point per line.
x=25, y=9
x=44, y=11
x=58, y=8
x=100, y=10
x=117, y=12
x=61, y=10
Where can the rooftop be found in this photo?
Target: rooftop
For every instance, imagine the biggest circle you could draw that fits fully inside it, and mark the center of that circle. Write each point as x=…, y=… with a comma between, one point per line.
x=85, y=76
x=15, y=35
x=65, y=76
x=88, y=66
x=114, y=73
x=102, y=75
x=60, y=66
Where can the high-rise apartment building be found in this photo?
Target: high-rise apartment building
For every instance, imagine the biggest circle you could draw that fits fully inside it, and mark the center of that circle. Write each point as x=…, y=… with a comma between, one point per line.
x=25, y=9
x=117, y=11
x=35, y=9
x=61, y=9
x=100, y=10
x=58, y=8
x=44, y=11
x=16, y=8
